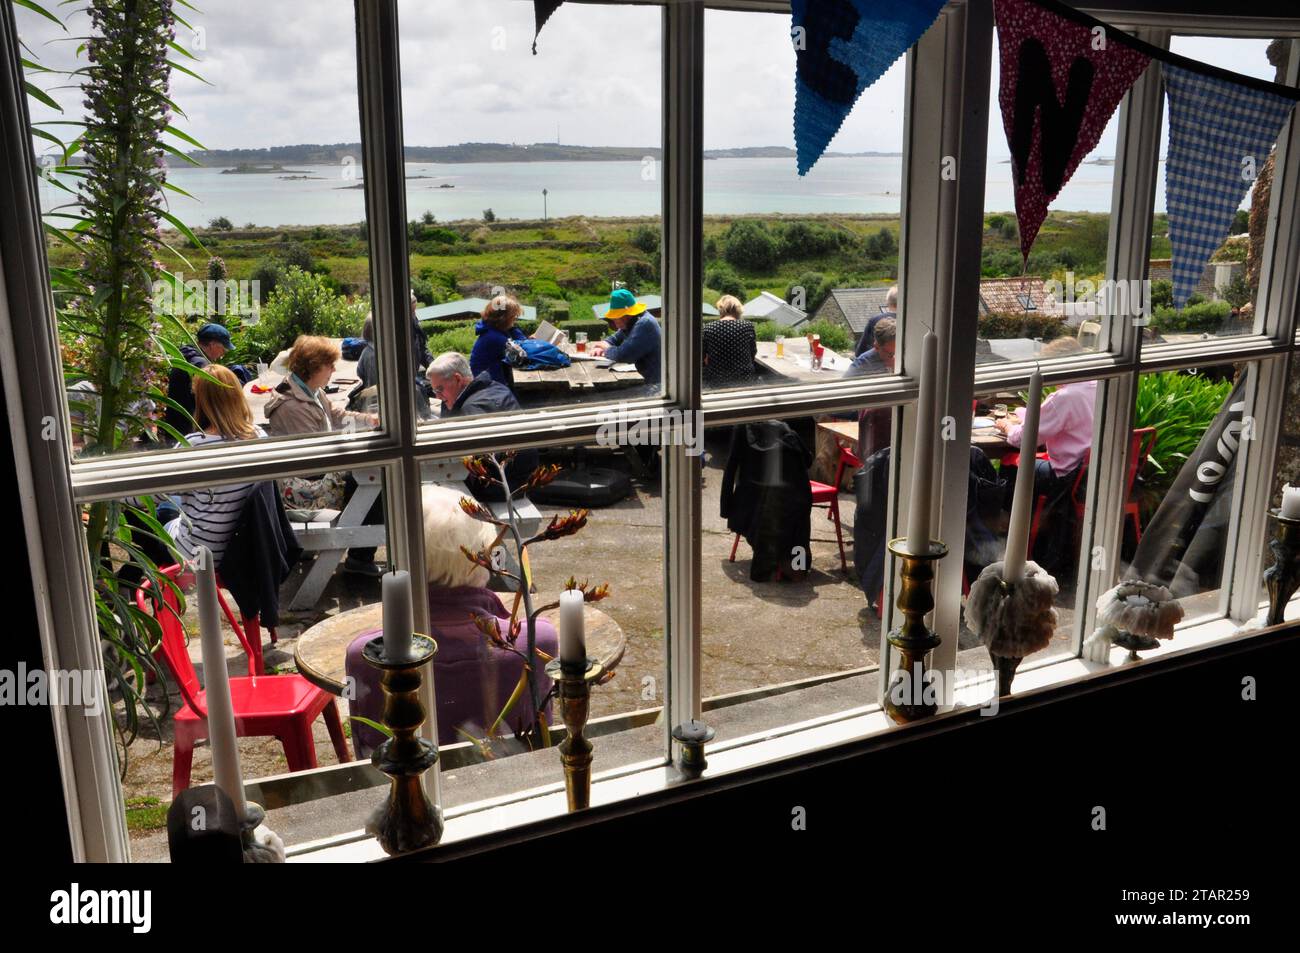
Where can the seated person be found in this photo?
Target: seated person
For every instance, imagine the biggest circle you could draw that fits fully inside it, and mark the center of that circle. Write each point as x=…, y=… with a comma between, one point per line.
x=472, y=678
x=209, y=516
x=878, y=359
x=1064, y=422
x=728, y=347
x=214, y=341
x=301, y=406
x=889, y=310
x=464, y=395
x=636, y=337
x=1065, y=428
x=494, y=329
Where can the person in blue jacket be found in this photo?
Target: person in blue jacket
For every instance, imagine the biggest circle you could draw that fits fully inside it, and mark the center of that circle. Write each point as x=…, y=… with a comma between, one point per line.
x=636, y=338
x=496, y=327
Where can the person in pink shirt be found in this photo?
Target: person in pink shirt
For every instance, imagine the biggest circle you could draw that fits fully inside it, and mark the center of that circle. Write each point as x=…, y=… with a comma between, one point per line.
x=1064, y=424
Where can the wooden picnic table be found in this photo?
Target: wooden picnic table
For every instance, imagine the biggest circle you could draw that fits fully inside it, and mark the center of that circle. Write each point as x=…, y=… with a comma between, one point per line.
x=321, y=652
x=582, y=374
x=796, y=363
x=989, y=439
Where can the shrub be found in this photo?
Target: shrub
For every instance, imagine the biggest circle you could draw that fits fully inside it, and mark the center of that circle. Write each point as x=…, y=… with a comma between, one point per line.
x=460, y=340
x=645, y=238
x=1200, y=317
x=813, y=287
x=489, y=215
x=750, y=246
x=1237, y=291
x=722, y=278
x=297, y=255
x=882, y=245
x=1180, y=405
x=302, y=303
x=267, y=273
x=809, y=240
x=1162, y=293
x=221, y=224
x=999, y=326
x=766, y=330
x=834, y=336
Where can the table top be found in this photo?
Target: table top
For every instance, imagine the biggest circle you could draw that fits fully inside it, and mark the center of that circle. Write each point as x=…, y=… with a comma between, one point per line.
x=795, y=363
x=989, y=439
x=579, y=375
x=321, y=652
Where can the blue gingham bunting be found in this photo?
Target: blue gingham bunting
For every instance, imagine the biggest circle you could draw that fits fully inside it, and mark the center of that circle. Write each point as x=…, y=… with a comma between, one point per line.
x=1220, y=133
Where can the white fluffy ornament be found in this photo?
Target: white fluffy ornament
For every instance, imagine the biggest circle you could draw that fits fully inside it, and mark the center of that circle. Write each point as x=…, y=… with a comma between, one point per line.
x=1135, y=615
x=1012, y=619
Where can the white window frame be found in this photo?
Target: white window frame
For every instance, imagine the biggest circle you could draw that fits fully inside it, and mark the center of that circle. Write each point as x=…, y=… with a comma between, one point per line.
x=947, y=114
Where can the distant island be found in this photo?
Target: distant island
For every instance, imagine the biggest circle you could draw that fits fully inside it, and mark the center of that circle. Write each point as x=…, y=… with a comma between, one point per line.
x=274, y=158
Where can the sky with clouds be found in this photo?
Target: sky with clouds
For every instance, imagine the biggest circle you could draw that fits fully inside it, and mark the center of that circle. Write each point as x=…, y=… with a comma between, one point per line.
x=282, y=73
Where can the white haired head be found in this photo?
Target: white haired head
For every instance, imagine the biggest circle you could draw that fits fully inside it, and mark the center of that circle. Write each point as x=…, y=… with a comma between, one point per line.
x=447, y=528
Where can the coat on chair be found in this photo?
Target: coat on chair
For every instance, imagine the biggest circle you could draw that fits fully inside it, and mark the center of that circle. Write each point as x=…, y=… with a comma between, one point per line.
x=766, y=497
x=260, y=555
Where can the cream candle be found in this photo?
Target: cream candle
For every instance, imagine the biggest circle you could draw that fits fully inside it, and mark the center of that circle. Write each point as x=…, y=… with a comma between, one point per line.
x=399, y=615
x=216, y=683
x=1291, y=502
x=1022, y=504
x=918, y=523
x=573, y=639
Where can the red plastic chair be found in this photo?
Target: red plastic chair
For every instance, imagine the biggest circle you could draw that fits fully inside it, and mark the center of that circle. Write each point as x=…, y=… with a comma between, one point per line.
x=249, y=634
x=278, y=706
x=825, y=494
x=1141, y=444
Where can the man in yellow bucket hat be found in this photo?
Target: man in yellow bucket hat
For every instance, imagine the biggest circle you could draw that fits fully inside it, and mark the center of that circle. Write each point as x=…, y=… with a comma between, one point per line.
x=636, y=338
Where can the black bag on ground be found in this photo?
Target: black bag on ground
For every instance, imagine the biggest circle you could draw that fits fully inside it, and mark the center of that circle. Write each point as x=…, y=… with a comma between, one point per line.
x=584, y=486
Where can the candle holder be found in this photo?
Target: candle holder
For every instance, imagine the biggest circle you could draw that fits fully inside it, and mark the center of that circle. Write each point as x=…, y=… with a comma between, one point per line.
x=1013, y=618
x=268, y=849
x=408, y=820
x=692, y=736
x=913, y=639
x=1283, y=577
x=574, y=683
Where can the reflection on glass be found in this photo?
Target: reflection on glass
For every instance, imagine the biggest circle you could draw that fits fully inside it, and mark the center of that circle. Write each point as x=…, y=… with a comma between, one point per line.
x=1187, y=433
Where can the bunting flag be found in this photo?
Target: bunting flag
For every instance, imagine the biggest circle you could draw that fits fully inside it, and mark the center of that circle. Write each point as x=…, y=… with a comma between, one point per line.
x=841, y=48
x=1060, y=82
x=542, y=10
x=1220, y=133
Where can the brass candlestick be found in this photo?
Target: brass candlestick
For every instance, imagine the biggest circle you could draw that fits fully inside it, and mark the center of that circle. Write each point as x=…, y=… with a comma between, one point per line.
x=1283, y=577
x=913, y=639
x=408, y=820
x=575, y=750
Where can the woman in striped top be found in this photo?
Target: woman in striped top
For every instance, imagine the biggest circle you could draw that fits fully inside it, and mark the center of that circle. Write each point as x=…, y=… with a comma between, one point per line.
x=209, y=516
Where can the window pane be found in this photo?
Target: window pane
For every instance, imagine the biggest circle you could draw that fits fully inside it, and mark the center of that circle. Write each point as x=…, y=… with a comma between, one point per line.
x=1027, y=304
x=790, y=255
x=295, y=598
x=801, y=556
x=485, y=732
x=1222, y=304
x=1287, y=472
x=1185, y=484
x=1060, y=495
x=278, y=246
x=533, y=186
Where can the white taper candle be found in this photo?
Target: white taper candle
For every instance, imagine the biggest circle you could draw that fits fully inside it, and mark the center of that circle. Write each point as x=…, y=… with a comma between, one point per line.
x=1291, y=502
x=927, y=408
x=216, y=684
x=1022, y=504
x=573, y=638
x=399, y=615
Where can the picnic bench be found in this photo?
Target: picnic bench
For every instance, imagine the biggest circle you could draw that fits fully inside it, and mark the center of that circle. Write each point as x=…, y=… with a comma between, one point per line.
x=583, y=374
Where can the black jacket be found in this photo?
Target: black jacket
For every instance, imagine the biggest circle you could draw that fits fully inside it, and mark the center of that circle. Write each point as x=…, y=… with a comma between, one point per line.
x=180, y=389
x=766, y=496
x=260, y=555
x=486, y=396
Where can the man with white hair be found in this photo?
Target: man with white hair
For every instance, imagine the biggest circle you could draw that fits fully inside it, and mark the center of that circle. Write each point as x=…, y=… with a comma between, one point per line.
x=888, y=310
x=464, y=395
